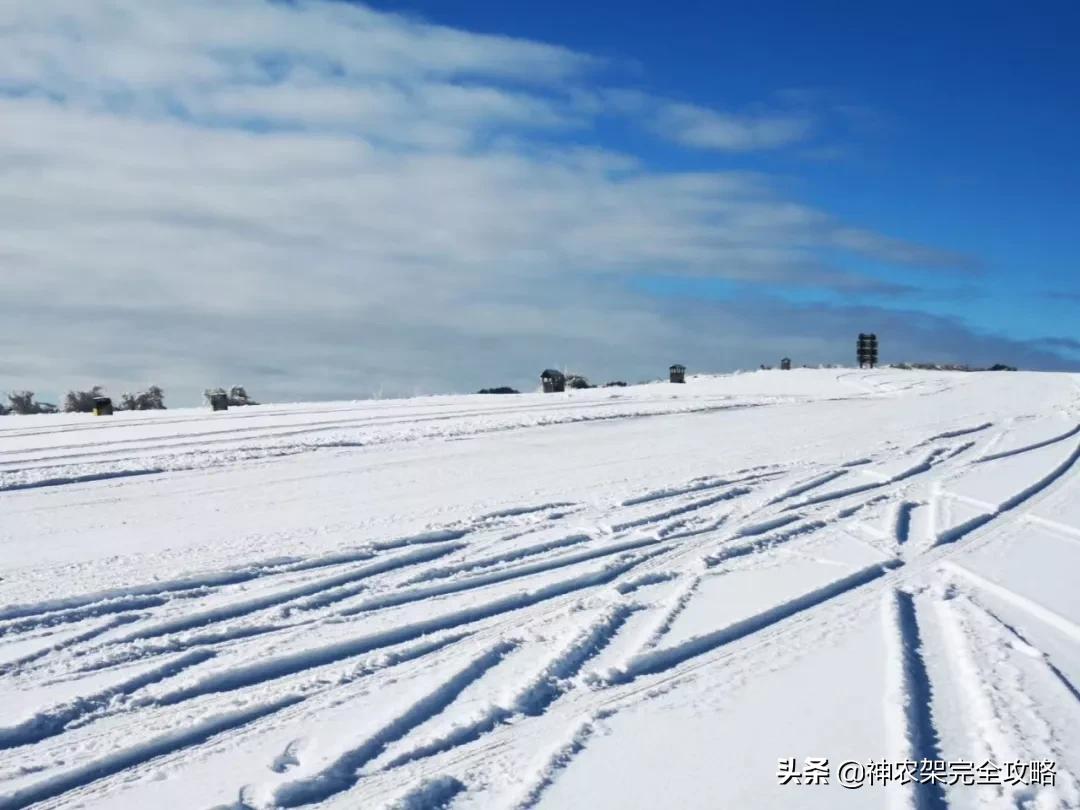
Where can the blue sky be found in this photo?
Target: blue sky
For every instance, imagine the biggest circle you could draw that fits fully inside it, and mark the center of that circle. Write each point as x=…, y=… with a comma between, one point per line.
x=329, y=199
x=950, y=124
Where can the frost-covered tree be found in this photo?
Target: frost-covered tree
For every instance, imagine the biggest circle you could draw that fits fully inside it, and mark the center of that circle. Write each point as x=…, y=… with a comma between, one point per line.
x=236, y=395
x=576, y=381
x=22, y=402
x=82, y=401
x=152, y=399
x=239, y=396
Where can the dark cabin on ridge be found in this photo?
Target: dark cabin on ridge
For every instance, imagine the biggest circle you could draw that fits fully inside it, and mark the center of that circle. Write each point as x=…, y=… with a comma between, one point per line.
x=553, y=381
x=103, y=406
x=677, y=373
x=785, y=364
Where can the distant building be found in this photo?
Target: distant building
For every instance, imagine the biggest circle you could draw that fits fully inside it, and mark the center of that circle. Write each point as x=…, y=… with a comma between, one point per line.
x=553, y=381
x=785, y=363
x=103, y=406
x=677, y=373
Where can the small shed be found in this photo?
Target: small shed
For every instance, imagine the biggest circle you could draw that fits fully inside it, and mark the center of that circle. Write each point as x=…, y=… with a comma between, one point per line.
x=677, y=373
x=103, y=406
x=785, y=363
x=219, y=401
x=553, y=381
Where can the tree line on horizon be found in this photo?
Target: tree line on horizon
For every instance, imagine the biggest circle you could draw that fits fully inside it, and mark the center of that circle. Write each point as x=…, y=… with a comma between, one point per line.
x=152, y=399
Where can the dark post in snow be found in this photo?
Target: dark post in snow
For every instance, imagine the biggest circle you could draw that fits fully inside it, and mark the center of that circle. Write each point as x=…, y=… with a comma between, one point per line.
x=103, y=406
x=677, y=373
x=785, y=363
x=867, y=350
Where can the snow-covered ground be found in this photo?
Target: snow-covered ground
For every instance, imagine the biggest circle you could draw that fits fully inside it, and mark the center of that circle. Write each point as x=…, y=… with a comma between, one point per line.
x=641, y=597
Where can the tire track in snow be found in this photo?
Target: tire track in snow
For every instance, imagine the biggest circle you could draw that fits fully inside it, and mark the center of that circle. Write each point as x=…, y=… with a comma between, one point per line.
x=273, y=447
x=1066, y=683
x=34, y=616
x=432, y=793
x=662, y=659
x=373, y=665
x=141, y=753
x=17, y=664
x=275, y=667
x=1060, y=529
x=902, y=522
x=53, y=721
x=645, y=580
x=987, y=731
x=696, y=485
x=325, y=594
x=686, y=508
x=87, y=478
x=952, y=434
x=675, y=607
x=921, y=737
x=532, y=698
x=955, y=533
x=558, y=761
x=121, y=595
x=1063, y=625
x=806, y=486
x=401, y=597
x=506, y=556
x=767, y=542
x=234, y=610
x=516, y=511
x=934, y=458
x=343, y=772
x=216, y=579
x=1005, y=717
x=1029, y=447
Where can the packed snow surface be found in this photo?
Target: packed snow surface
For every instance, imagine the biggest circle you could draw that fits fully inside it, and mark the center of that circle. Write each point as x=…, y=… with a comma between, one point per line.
x=641, y=597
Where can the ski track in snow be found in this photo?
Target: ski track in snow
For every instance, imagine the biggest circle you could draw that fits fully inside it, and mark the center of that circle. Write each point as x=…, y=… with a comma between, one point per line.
x=539, y=585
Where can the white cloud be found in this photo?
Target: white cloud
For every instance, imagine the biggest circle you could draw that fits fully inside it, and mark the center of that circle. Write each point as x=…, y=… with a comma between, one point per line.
x=697, y=126
x=704, y=128
x=308, y=194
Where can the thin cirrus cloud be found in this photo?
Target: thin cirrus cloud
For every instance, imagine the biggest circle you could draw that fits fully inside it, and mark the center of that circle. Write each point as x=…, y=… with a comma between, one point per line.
x=696, y=126
x=321, y=197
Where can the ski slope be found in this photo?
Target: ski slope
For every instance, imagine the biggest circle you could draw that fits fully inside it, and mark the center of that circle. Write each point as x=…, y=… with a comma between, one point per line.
x=638, y=597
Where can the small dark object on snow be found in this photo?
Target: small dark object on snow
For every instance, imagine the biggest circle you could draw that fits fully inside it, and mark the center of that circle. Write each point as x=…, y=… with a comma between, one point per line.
x=103, y=406
x=553, y=381
x=503, y=389
x=219, y=401
x=677, y=373
x=867, y=350
x=785, y=364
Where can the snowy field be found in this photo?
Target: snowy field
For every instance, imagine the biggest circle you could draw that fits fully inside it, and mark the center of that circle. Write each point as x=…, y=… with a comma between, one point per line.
x=641, y=597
